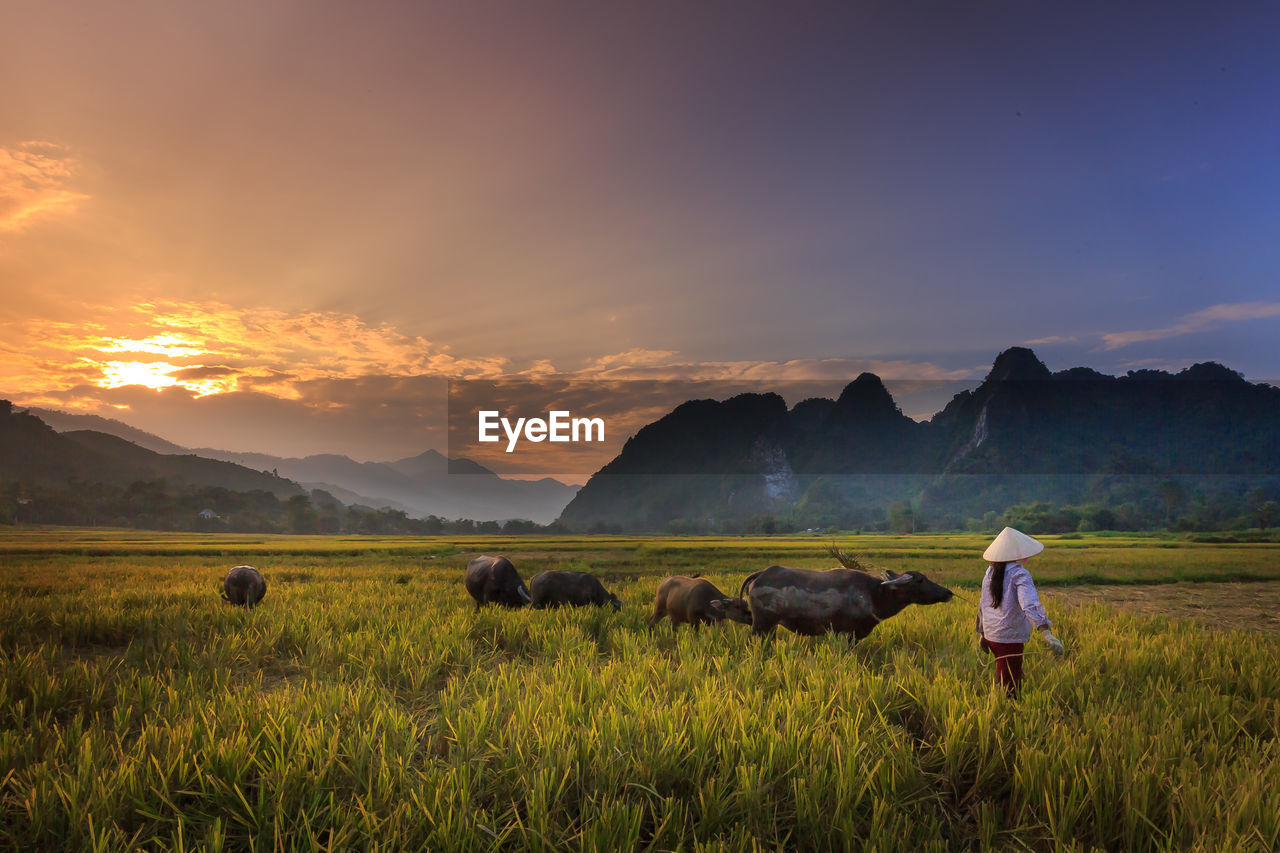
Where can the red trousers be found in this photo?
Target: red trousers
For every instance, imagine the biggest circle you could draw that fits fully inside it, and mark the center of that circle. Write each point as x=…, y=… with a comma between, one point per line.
x=1008, y=664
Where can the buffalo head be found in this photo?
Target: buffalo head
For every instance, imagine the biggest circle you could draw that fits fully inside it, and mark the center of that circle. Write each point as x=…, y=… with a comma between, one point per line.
x=915, y=588
x=735, y=609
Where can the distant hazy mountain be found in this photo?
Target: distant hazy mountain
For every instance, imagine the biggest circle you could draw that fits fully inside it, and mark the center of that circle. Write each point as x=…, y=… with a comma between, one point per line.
x=1025, y=434
x=350, y=498
x=66, y=422
x=31, y=451
x=419, y=485
x=422, y=484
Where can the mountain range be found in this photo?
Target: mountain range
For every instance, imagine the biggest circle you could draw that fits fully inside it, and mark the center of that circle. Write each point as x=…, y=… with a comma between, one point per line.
x=32, y=452
x=93, y=448
x=1025, y=434
x=426, y=484
x=1144, y=444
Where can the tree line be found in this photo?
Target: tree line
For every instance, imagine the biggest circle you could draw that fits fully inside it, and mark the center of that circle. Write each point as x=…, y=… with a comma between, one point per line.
x=158, y=505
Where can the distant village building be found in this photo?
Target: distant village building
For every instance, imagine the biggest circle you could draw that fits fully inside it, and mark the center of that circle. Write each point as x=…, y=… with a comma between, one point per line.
x=207, y=514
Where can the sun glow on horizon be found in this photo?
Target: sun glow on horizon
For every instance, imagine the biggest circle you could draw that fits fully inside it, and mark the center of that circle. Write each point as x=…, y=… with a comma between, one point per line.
x=159, y=374
x=213, y=348
x=155, y=374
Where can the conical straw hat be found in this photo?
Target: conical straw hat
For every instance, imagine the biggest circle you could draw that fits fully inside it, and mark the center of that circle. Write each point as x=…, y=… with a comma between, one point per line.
x=1011, y=545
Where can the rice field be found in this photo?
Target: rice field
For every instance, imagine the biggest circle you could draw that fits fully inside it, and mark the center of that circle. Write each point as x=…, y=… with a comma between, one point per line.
x=365, y=705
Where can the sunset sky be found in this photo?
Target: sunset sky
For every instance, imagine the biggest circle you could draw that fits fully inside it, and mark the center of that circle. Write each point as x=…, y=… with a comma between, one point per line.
x=281, y=226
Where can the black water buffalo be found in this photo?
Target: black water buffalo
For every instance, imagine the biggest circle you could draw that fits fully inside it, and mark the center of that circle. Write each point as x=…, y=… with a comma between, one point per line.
x=244, y=585
x=575, y=589
x=843, y=601
x=695, y=601
x=493, y=580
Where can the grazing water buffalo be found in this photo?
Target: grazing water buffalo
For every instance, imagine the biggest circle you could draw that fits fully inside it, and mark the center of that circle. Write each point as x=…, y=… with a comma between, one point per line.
x=843, y=601
x=576, y=589
x=695, y=601
x=244, y=585
x=493, y=580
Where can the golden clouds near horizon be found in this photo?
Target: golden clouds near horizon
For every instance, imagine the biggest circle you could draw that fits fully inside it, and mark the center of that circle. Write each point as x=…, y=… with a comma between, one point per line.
x=210, y=348
x=169, y=345
x=196, y=378
x=325, y=360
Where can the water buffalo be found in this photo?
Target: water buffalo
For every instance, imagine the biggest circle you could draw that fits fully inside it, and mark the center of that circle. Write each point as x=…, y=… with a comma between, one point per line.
x=244, y=585
x=843, y=601
x=695, y=601
x=576, y=589
x=493, y=580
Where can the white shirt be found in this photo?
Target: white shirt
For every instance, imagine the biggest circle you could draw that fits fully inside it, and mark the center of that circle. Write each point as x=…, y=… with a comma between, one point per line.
x=1019, y=609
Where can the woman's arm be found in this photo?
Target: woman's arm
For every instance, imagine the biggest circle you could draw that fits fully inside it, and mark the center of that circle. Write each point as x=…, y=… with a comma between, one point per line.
x=1031, y=606
x=1030, y=599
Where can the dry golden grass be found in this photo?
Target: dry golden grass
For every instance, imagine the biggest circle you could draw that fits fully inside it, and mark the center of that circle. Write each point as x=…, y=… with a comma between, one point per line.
x=366, y=705
x=1219, y=606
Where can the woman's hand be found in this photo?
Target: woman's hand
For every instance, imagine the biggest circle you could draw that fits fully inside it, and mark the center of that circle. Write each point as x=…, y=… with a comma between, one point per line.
x=1055, y=645
x=982, y=644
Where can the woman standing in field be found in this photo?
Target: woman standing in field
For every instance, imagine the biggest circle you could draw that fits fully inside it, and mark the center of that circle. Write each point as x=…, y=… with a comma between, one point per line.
x=1009, y=606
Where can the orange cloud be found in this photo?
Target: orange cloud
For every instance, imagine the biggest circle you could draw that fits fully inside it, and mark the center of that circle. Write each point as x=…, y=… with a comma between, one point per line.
x=214, y=348
x=630, y=360
x=35, y=183
x=666, y=365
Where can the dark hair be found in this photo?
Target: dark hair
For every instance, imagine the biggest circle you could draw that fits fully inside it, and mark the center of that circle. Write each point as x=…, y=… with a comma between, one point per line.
x=997, y=584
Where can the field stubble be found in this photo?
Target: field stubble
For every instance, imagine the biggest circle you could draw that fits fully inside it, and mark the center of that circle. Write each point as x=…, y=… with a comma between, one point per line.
x=365, y=704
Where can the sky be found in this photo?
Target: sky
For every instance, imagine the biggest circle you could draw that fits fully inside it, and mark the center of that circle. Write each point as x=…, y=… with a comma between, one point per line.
x=283, y=226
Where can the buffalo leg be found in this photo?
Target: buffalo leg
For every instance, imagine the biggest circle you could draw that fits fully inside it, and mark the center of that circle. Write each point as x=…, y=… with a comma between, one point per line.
x=763, y=627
